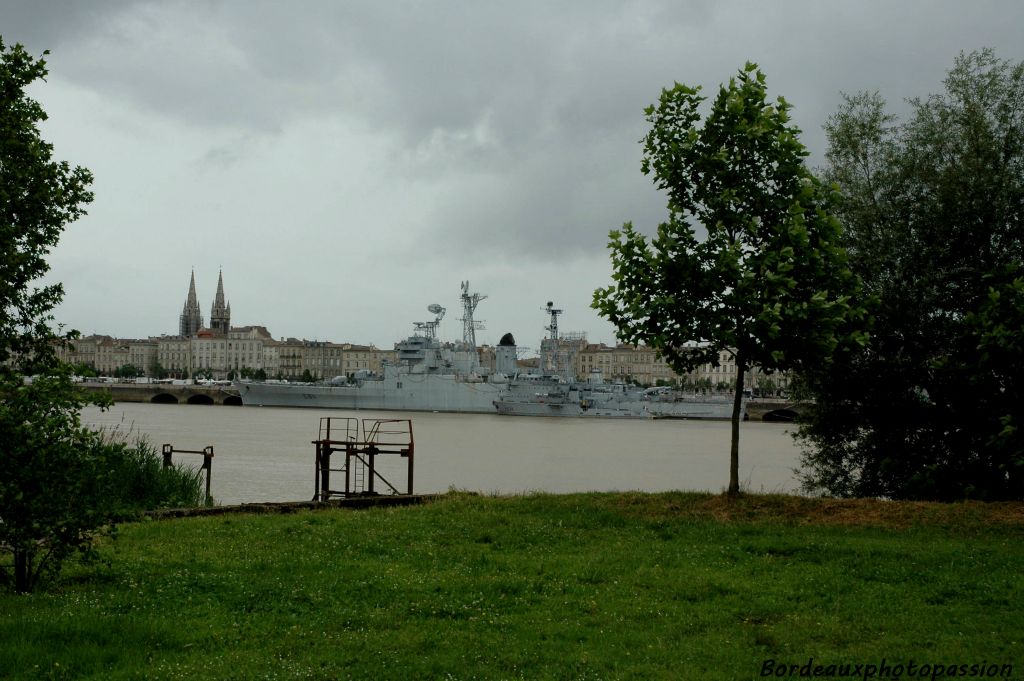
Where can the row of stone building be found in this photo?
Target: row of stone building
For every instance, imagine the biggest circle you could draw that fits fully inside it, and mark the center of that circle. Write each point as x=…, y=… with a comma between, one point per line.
x=221, y=350
x=244, y=350
x=643, y=365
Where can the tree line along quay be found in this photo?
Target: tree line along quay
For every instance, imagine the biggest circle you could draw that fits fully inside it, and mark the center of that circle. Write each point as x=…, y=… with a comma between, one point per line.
x=888, y=287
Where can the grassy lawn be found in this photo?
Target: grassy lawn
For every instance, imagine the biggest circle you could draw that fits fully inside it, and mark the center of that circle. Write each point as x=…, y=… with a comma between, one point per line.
x=602, y=586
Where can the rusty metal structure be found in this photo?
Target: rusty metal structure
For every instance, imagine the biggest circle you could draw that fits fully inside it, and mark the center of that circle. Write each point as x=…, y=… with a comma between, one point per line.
x=207, y=454
x=360, y=441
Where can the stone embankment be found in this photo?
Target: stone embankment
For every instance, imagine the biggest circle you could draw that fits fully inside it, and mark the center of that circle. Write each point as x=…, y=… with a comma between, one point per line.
x=166, y=393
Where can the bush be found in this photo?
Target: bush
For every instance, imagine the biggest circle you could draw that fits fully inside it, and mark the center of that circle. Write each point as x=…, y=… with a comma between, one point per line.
x=62, y=484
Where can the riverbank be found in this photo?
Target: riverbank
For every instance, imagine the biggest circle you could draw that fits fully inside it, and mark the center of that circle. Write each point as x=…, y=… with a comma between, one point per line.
x=672, y=586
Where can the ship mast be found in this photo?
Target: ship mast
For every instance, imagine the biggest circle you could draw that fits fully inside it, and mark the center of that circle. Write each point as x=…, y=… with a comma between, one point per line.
x=469, y=325
x=549, y=346
x=553, y=327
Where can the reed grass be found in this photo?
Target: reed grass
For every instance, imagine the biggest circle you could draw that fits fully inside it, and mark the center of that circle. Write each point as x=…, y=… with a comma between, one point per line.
x=140, y=481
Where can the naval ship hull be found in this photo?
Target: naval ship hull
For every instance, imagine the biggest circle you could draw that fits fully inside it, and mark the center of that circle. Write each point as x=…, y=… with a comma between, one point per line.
x=694, y=409
x=447, y=393
x=511, y=407
x=541, y=405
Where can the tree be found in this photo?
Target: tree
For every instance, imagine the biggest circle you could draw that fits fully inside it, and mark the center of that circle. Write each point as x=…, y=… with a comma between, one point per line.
x=84, y=370
x=49, y=503
x=52, y=493
x=127, y=371
x=769, y=284
x=933, y=224
x=766, y=386
x=158, y=371
x=38, y=197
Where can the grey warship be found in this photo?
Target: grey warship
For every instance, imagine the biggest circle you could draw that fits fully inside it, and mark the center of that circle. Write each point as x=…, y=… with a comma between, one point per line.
x=428, y=375
x=557, y=391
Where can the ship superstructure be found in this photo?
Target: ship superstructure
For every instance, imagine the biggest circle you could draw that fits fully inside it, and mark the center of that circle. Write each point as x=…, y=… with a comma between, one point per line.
x=557, y=391
x=428, y=375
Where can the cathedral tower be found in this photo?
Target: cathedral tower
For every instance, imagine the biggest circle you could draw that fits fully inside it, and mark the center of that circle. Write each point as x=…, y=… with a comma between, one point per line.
x=220, y=313
x=191, y=319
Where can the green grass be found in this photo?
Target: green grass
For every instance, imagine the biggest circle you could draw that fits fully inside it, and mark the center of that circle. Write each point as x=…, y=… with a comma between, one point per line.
x=610, y=586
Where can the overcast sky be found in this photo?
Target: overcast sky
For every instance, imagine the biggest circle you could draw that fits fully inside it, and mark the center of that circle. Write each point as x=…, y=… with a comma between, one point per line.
x=348, y=163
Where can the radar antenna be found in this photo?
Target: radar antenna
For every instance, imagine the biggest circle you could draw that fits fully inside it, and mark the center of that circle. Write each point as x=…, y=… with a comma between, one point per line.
x=429, y=329
x=469, y=325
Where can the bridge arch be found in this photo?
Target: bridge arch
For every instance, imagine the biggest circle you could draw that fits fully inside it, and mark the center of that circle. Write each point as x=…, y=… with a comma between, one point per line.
x=233, y=401
x=200, y=399
x=164, y=398
x=779, y=416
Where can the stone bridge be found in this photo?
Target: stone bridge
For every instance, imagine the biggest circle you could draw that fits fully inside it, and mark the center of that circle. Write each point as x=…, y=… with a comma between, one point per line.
x=165, y=393
x=773, y=409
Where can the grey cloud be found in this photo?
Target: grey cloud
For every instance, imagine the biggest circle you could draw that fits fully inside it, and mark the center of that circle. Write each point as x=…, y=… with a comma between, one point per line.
x=53, y=24
x=526, y=117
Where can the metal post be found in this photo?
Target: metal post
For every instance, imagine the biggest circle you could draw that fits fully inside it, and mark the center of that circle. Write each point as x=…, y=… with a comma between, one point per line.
x=348, y=469
x=372, y=452
x=167, y=451
x=410, y=468
x=325, y=470
x=208, y=465
x=316, y=475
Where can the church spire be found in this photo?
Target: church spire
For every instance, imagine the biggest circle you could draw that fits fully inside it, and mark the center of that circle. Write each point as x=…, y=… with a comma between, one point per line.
x=220, y=313
x=191, y=319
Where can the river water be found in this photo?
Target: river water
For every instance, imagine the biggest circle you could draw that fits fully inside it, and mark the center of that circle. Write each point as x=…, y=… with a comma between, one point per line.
x=265, y=453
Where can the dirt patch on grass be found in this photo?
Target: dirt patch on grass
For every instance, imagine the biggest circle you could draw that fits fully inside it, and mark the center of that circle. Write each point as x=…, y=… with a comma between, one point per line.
x=806, y=510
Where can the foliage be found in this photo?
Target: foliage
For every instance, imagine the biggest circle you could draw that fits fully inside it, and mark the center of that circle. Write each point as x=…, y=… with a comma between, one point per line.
x=769, y=283
x=52, y=495
x=253, y=374
x=596, y=586
x=65, y=484
x=933, y=222
x=128, y=371
x=158, y=371
x=38, y=197
x=84, y=370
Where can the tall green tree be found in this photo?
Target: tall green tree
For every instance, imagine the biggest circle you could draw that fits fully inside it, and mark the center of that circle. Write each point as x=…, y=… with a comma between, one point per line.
x=767, y=281
x=49, y=498
x=38, y=198
x=932, y=209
